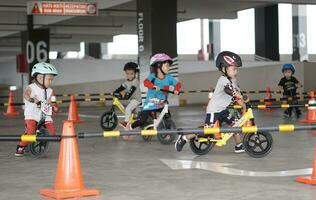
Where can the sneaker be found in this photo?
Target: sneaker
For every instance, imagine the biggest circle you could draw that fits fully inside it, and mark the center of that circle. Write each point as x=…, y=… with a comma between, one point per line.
x=19, y=151
x=239, y=148
x=180, y=143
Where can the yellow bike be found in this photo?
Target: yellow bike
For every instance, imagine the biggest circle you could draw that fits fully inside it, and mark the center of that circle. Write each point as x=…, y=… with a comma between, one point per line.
x=109, y=119
x=256, y=144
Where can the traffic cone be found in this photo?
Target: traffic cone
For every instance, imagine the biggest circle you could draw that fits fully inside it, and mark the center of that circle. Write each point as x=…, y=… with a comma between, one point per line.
x=267, y=97
x=73, y=111
x=11, y=108
x=311, y=110
x=312, y=179
x=69, y=180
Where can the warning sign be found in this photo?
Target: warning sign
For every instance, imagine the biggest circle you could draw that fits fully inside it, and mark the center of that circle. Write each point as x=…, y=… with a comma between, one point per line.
x=62, y=8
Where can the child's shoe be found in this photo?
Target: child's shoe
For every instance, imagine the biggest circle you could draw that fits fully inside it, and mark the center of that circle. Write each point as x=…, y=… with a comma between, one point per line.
x=19, y=151
x=180, y=143
x=239, y=148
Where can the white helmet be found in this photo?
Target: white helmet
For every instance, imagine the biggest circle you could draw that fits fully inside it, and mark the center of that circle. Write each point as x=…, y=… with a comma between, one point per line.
x=43, y=68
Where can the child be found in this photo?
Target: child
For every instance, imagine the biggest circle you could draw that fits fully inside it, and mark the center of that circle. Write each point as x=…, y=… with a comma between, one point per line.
x=289, y=84
x=226, y=92
x=130, y=90
x=35, y=93
x=157, y=79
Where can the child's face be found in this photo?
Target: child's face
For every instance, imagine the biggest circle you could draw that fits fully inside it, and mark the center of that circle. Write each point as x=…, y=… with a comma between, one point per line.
x=166, y=67
x=48, y=80
x=287, y=73
x=232, y=71
x=130, y=74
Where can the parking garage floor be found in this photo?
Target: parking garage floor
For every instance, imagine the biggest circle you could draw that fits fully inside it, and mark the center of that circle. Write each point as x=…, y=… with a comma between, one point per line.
x=138, y=170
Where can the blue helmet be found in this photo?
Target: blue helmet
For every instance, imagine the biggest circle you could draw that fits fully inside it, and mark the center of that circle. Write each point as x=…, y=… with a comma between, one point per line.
x=288, y=66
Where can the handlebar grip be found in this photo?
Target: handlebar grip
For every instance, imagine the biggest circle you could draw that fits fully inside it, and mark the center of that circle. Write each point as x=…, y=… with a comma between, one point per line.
x=168, y=91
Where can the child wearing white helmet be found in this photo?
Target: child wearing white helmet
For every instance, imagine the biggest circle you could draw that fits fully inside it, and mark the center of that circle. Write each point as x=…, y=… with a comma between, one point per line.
x=38, y=91
x=289, y=84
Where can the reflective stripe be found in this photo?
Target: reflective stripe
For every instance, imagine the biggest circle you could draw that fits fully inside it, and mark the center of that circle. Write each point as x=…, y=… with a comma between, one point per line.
x=211, y=130
x=249, y=129
x=148, y=132
x=285, y=106
x=88, y=99
x=286, y=127
x=28, y=138
x=261, y=106
x=111, y=133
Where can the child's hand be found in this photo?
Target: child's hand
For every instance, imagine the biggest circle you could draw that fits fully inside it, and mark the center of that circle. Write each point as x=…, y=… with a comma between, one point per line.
x=156, y=88
x=123, y=93
x=238, y=95
x=176, y=92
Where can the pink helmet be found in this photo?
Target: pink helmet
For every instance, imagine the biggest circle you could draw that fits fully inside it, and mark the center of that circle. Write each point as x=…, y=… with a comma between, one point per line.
x=160, y=58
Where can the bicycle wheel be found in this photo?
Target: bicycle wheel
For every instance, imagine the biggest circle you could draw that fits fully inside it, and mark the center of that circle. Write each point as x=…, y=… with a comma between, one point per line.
x=258, y=144
x=166, y=138
x=39, y=148
x=108, y=121
x=200, y=148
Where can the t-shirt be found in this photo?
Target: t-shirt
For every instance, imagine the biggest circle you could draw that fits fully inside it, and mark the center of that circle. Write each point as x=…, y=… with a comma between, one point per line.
x=31, y=110
x=156, y=99
x=136, y=94
x=289, y=85
x=220, y=99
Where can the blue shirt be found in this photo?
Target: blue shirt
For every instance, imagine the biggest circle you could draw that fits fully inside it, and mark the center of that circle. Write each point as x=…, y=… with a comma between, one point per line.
x=156, y=99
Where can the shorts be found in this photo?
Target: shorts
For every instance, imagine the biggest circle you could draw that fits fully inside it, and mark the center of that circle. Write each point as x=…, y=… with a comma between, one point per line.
x=223, y=116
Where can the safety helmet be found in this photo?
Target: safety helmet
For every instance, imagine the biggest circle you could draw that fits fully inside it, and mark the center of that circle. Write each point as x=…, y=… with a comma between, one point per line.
x=288, y=66
x=43, y=68
x=131, y=66
x=160, y=58
x=227, y=58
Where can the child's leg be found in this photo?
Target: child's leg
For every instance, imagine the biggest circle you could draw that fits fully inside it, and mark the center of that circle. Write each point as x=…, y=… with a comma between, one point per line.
x=142, y=118
x=133, y=104
x=231, y=120
x=30, y=129
x=50, y=127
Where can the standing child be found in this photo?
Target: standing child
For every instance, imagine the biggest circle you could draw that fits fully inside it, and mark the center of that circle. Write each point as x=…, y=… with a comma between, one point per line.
x=226, y=92
x=130, y=90
x=289, y=84
x=38, y=91
x=158, y=79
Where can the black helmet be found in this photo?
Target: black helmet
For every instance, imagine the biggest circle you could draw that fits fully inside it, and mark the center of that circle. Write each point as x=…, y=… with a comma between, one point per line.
x=227, y=58
x=131, y=66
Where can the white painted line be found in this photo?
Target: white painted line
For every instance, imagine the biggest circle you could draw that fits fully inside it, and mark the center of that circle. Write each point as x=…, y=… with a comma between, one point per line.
x=223, y=169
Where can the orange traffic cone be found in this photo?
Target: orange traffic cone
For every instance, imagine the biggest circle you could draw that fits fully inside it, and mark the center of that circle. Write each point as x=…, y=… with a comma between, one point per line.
x=311, y=111
x=73, y=111
x=11, y=108
x=69, y=181
x=309, y=180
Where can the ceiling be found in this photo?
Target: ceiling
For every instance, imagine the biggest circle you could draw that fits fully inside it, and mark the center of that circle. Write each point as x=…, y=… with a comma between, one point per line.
x=115, y=17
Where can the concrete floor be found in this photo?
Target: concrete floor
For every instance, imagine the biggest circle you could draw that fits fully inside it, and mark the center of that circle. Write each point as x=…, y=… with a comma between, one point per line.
x=135, y=170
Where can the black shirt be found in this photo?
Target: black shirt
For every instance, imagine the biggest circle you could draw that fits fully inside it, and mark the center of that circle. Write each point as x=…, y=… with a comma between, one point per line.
x=289, y=85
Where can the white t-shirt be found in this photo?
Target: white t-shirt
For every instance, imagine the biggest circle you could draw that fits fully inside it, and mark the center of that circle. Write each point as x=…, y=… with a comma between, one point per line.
x=31, y=111
x=220, y=99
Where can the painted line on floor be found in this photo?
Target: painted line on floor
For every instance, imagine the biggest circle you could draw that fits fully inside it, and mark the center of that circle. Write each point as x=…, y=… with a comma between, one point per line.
x=224, y=169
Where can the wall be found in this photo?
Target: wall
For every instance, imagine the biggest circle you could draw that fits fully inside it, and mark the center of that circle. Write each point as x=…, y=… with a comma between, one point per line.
x=98, y=76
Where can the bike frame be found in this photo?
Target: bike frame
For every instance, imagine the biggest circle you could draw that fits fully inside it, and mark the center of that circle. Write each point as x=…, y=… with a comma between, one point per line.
x=226, y=136
x=117, y=103
x=157, y=121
